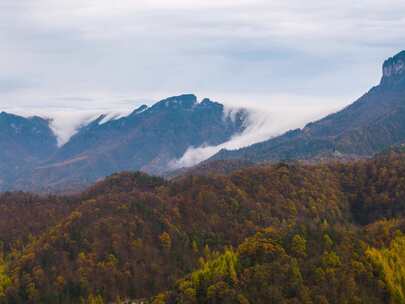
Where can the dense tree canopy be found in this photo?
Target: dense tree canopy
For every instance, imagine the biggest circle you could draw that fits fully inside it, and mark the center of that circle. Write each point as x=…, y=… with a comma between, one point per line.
x=282, y=233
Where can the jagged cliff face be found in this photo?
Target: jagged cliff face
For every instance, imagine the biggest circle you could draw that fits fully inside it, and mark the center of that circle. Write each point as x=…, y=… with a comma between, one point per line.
x=373, y=123
x=148, y=139
x=394, y=70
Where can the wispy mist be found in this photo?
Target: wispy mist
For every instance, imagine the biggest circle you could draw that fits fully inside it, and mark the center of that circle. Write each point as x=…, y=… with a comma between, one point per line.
x=267, y=117
x=264, y=122
x=65, y=122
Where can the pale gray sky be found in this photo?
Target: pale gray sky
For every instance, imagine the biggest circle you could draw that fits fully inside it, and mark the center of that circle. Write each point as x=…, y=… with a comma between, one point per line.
x=102, y=54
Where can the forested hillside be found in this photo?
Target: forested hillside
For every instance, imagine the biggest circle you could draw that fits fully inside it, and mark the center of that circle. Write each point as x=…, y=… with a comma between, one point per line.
x=282, y=233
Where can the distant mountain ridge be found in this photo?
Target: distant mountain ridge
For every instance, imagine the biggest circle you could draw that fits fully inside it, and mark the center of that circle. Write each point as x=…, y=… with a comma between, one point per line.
x=150, y=138
x=373, y=123
x=147, y=139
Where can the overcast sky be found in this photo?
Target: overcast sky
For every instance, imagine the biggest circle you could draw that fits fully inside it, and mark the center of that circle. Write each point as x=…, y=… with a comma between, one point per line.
x=105, y=54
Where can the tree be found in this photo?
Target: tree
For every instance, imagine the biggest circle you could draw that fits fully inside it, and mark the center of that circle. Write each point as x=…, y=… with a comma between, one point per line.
x=299, y=246
x=166, y=240
x=5, y=281
x=391, y=262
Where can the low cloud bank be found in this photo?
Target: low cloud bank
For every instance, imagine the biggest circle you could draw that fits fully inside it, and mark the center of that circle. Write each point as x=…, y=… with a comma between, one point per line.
x=262, y=124
x=268, y=117
x=66, y=122
x=67, y=113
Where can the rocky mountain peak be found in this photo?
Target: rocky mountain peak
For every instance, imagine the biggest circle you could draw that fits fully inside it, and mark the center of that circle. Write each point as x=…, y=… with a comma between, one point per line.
x=140, y=109
x=5, y=115
x=394, y=69
x=29, y=122
x=186, y=101
x=206, y=102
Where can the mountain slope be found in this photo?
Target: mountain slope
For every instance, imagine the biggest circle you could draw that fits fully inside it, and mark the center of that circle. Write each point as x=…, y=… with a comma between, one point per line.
x=148, y=139
x=368, y=126
x=23, y=142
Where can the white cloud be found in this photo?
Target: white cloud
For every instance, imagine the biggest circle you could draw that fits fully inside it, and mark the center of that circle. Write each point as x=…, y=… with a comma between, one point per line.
x=263, y=123
x=102, y=52
x=68, y=113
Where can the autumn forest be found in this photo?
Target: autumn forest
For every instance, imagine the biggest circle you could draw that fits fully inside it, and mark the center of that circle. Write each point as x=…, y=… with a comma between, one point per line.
x=281, y=233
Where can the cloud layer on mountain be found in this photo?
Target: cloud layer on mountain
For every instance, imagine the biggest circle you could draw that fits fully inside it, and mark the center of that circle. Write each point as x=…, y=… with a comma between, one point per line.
x=263, y=123
x=73, y=60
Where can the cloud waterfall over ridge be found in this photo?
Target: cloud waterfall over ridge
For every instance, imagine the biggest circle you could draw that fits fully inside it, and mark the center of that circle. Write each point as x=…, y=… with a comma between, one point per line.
x=262, y=124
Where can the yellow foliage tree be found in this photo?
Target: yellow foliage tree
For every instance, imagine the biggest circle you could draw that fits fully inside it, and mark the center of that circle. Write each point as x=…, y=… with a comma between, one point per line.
x=4, y=279
x=391, y=263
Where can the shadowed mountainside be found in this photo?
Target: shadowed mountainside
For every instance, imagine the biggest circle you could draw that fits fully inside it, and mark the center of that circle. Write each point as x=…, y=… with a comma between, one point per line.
x=148, y=139
x=373, y=123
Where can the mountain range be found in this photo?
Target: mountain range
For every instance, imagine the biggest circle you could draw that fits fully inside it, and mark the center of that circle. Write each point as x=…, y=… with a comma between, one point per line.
x=151, y=138
x=371, y=124
x=148, y=139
